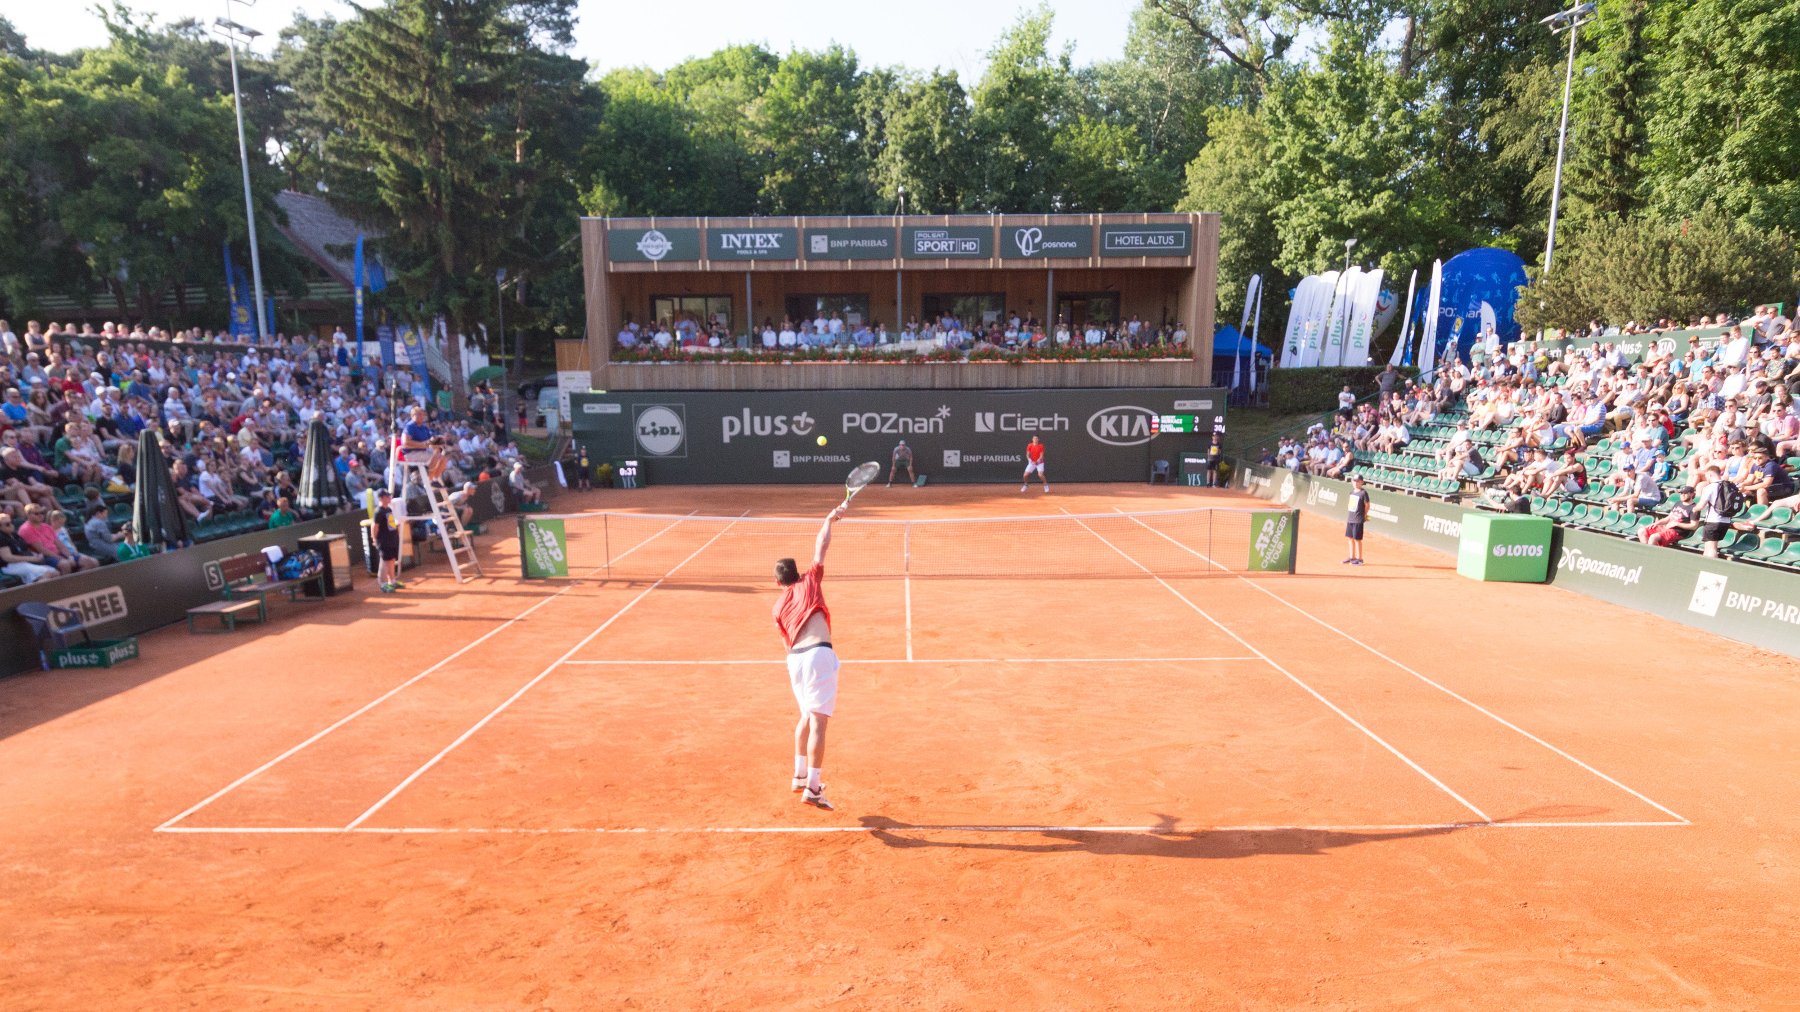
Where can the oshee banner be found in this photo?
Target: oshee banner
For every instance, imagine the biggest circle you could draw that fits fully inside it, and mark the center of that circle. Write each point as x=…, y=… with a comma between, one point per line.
x=543, y=548
x=1754, y=604
x=718, y=437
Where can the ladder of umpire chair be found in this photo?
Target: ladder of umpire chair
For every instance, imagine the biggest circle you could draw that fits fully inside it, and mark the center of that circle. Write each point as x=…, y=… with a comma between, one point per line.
x=459, y=548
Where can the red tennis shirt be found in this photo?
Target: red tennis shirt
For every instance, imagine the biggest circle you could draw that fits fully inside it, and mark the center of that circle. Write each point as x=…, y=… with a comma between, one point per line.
x=1034, y=452
x=798, y=602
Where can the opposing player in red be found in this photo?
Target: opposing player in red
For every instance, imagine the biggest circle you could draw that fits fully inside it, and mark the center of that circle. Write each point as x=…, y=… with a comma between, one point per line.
x=805, y=625
x=1034, y=462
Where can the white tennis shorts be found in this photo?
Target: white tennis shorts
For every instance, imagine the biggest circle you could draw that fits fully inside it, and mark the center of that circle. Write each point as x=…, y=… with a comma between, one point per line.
x=1034, y=467
x=813, y=675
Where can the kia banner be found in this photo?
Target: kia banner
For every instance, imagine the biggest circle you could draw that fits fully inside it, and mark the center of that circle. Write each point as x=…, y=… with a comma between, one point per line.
x=720, y=437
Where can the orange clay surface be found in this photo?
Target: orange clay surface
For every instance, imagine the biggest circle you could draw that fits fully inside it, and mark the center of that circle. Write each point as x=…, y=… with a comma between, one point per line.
x=1385, y=787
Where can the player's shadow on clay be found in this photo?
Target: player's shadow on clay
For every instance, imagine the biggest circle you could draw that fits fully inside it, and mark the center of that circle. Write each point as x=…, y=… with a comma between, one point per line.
x=1157, y=842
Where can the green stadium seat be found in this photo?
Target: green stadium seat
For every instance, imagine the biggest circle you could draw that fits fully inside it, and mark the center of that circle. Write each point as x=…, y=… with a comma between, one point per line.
x=1780, y=516
x=1770, y=549
x=1738, y=544
x=1790, y=556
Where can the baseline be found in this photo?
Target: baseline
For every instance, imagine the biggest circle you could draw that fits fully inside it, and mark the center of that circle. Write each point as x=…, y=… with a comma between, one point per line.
x=1159, y=830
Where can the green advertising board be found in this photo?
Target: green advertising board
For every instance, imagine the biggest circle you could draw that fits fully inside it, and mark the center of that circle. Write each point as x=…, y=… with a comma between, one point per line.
x=947, y=242
x=752, y=244
x=1505, y=548
x=543, y=548
x=1046, y=242
x=652, y=245
x=1272, y=541
x=1146, y=240
x=850, y=244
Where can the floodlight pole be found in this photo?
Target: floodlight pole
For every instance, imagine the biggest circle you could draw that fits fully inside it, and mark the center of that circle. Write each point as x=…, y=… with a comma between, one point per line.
x=232, y=30
x=1574, y=17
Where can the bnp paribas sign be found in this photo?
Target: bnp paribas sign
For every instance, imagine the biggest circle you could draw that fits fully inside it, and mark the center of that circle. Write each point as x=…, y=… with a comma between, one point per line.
x=752, y=244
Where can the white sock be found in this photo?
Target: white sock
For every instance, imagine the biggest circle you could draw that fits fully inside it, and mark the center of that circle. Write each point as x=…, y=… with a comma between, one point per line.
x=812, y=780
x=799, y=766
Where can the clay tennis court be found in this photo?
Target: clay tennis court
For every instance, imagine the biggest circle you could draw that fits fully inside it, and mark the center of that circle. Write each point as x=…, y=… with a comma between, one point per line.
x=1075, y=765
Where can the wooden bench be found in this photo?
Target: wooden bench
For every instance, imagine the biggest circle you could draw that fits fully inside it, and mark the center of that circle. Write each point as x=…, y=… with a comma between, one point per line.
x=247, y=588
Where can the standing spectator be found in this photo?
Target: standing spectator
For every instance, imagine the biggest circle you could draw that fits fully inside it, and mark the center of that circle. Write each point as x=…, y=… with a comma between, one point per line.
x=1715, y=517
x=387, y=542
x=1346, y=399
x=1353, y=521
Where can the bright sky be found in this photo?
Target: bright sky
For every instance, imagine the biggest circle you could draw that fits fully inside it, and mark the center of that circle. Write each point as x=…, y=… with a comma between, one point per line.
x=921, y=34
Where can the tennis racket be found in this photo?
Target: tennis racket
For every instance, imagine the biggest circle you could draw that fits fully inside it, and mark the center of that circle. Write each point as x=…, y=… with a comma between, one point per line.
x=860, y=477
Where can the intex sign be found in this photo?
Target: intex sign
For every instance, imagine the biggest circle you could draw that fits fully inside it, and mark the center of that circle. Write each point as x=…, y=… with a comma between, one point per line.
x=753, y=244
x=1122, y=425
x=746, y=424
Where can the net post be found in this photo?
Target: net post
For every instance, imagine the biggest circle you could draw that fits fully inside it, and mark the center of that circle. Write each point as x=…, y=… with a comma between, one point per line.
x=1294, y=551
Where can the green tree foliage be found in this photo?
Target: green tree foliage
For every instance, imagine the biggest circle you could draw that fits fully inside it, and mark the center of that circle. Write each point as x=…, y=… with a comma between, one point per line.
x=1350, y=157
x=1230, y=176
x=1020, y=104
x=928, y=145
x=445, y=113
x=1643, y=269
x=1722, y=126
x=809, y=132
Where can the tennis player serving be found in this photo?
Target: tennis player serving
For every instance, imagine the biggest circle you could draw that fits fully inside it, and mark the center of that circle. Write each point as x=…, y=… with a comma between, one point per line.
x=805, y=625
x=1034, y=462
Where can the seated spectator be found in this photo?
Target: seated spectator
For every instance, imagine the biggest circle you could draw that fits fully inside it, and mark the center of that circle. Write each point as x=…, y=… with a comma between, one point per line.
x=130, y=547
x=527, y=492
x=1765, y=480
x=40, y=537
x=283, y=514
x=20, y=560
x=98, y=530
x=59, y=523
x=1681, y=520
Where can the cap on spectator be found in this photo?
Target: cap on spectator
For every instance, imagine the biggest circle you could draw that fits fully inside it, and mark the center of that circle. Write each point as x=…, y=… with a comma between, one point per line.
x=1685, y=490
x=384, y=494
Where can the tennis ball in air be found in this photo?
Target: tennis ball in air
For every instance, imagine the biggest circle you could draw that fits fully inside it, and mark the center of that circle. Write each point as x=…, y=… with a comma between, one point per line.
x=821, y=440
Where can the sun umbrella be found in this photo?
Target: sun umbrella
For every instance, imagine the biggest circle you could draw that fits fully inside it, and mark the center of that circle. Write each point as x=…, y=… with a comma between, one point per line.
x=155, y=512
x=486, y=373
x=321, y=487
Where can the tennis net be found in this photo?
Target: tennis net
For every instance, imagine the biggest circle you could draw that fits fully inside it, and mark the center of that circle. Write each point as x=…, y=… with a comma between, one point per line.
x=639, y=546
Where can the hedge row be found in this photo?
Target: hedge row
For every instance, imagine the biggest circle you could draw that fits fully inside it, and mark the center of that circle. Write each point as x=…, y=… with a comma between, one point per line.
x=1294, y=391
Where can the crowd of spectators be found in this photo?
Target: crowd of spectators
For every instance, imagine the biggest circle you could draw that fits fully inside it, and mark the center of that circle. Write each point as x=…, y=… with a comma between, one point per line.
x=1679, y=422
x=1006, y=331
x=232, y=416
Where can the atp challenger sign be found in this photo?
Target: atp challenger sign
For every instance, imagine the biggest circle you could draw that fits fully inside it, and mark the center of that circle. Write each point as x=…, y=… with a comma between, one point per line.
x=545, y=548
x=725, y=437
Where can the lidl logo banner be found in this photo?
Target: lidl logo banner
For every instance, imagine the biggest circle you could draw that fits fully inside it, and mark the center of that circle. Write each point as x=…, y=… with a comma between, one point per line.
x=1272, y=541
x=544, y=548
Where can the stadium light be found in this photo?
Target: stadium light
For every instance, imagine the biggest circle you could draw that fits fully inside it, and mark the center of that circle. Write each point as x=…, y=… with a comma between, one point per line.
x=1571, y=21
x=232, y=31
x=1349, y=244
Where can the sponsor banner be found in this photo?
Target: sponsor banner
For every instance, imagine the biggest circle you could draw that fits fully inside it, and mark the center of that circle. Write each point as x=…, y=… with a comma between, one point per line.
x=725, y=437
x=947, y=242
x=1504, y=548
x=543, y=548
x=1146, y=240
x=752, y=244
x=1046, y=242
x=570, y=381
x=1742, y=601
x=652, y=245
x=1272, y=541
x=850, y=244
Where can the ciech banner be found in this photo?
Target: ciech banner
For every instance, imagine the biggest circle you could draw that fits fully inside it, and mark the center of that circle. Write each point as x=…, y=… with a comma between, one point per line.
x=544, y=548
x=725, y=437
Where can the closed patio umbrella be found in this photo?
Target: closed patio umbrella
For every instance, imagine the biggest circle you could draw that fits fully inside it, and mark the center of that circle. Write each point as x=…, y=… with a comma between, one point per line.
x=321, y=487
x=156, y=514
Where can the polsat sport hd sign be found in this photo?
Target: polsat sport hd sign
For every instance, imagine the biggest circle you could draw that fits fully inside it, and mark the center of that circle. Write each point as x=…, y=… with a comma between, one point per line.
x=959, y=436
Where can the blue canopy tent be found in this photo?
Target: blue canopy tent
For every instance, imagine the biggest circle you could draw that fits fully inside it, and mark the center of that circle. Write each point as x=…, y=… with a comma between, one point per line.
x=1231, y=349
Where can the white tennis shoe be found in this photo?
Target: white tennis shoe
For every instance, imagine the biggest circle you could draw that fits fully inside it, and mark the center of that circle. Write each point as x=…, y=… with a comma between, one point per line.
x=816, y=798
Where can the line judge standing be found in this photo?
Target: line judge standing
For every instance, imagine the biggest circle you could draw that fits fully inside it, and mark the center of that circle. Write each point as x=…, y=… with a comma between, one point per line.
x=902, y=455
x=1353, y=521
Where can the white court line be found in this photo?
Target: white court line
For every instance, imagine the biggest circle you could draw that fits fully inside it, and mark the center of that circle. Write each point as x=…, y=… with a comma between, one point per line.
x=1453, y=694
x=927, y=660
x=1155, y=830
x=510, y=700
x=1377, y=739
x=389, y=694
x=906, y=560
